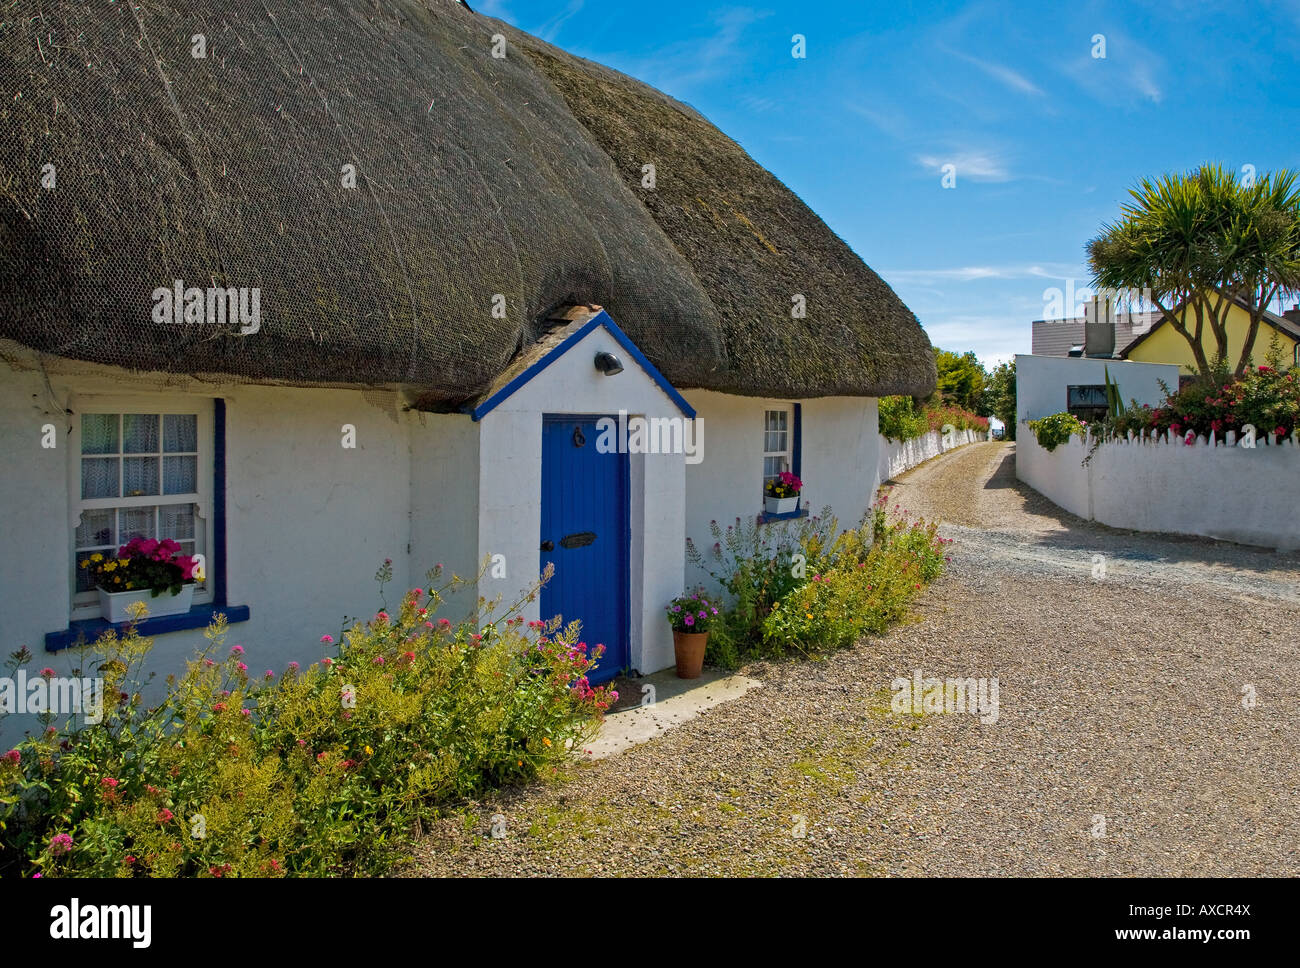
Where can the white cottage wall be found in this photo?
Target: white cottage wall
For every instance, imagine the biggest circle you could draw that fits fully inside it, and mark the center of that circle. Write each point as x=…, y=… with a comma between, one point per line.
x=444, y=503
x=510, y=484
x=840, y=452
x=308, y=521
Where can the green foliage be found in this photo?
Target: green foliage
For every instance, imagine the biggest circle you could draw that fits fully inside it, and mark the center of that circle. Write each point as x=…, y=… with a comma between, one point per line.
x=900, y=419
x=315, y=771
x=962, y=381
x=1001, y=396
x=814, y=588
x=948, y=416
x=755, y=565
x=867, y=581
x=1194, y=239
x=1051, y=432
x=1265, y=397
x=1114, y=402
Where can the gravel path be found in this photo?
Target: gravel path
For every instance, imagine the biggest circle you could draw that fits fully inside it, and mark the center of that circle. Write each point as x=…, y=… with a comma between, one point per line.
x=1120, y=702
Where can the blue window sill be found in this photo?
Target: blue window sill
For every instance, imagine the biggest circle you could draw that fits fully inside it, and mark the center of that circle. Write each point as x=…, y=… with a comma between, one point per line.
x=198, y=617
x=766, y=517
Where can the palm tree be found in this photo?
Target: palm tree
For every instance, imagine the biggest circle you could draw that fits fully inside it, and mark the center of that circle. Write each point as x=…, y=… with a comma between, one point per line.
x=1198, y=241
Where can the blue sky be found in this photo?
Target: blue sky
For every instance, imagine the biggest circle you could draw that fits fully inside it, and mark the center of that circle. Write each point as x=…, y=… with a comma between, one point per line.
x=1045, y=138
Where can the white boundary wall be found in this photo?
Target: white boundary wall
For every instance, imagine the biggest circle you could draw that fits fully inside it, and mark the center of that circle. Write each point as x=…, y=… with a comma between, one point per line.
x=899, y=456
x=1233, y=493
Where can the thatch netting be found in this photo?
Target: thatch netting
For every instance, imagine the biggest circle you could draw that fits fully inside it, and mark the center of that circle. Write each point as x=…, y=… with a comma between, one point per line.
x=476, y=178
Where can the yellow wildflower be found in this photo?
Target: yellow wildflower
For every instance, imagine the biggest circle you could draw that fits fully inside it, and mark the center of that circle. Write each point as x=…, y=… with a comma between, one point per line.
x=369, y=751
x=96, y=557
x=111, y=566
x=546, y=740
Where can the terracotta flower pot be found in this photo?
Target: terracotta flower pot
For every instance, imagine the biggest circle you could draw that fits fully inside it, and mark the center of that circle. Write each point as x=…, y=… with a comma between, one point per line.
x=689, y=649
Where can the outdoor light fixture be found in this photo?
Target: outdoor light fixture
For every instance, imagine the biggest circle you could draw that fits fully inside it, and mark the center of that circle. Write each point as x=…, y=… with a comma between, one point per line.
x=608, y=363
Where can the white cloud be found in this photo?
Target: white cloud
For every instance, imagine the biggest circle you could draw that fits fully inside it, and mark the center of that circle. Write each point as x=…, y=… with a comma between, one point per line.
x=1000, y=73
x=492, y=8
x=551, y=28
x=975, y=165
x=972, y=273
x=680, y=66
x=1129, y=70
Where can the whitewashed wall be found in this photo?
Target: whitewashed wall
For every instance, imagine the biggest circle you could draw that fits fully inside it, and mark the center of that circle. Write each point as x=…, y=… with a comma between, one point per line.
x=308, y=522
x=1041, y=382
x=444, y=505
x=840, y=450
x=510, y=487
x=897, y=456
x=1233, y=493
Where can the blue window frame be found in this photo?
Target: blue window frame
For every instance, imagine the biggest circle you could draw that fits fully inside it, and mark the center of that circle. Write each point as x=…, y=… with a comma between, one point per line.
x=88, y=630
x=782, y=449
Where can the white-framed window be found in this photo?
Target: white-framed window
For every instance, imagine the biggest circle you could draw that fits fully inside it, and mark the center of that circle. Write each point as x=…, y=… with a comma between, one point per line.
x=139, y=467
x=778, y=442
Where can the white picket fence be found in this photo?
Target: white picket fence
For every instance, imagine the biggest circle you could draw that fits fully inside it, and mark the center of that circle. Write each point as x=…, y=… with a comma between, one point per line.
x=1196, y=486
x=898, y=456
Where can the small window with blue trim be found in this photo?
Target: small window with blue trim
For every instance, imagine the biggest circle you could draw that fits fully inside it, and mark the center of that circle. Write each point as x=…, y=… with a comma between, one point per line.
x=141, y=470
x=778, y=443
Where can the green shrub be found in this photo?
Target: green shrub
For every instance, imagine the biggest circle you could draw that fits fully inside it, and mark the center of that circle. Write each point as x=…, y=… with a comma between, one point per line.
x=870, y=576
x=1265, y=397
x=755, y=565
x=810, y=588
x=1051, y=432
x=900, y=419
x=312, y=771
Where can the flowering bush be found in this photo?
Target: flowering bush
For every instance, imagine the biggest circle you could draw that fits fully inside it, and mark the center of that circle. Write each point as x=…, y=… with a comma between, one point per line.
x=693, y=613
x=1051, y=432
x=784, y=484
x=1265, y=397
x=957, y=417
x=755, y=566
x=143, y=563
x=318, y=770
x=808, y=587
x=867, y=579
x=900, y=419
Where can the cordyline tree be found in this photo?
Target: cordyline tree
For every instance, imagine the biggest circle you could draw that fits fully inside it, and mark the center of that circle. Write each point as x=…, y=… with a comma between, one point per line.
x=1197, y=241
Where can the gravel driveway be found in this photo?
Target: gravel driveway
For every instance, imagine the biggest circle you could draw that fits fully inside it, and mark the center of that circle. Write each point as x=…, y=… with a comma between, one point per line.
x=1147, y=725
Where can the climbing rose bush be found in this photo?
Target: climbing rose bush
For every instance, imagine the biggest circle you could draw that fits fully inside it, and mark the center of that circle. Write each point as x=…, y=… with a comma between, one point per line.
x=315, y=770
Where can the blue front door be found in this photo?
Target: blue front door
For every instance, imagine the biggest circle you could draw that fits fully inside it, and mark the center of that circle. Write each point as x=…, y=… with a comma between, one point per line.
x=585, y=535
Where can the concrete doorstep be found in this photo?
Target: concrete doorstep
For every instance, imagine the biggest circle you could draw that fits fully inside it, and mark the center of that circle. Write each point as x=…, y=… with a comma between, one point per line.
x=669, y=702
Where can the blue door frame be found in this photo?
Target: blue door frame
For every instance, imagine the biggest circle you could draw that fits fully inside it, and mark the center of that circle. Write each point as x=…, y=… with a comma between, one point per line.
x=586, y=534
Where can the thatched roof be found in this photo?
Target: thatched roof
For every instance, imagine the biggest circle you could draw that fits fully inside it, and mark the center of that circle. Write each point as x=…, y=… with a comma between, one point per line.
x=476, y=177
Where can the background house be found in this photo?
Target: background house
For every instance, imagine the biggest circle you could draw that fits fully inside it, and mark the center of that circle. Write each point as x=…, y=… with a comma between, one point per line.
x=444, y=242
x=1163, y=344
x=1146, y=338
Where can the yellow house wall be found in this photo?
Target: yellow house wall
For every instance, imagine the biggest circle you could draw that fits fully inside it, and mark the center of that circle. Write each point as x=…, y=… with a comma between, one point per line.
x=1167, y=345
